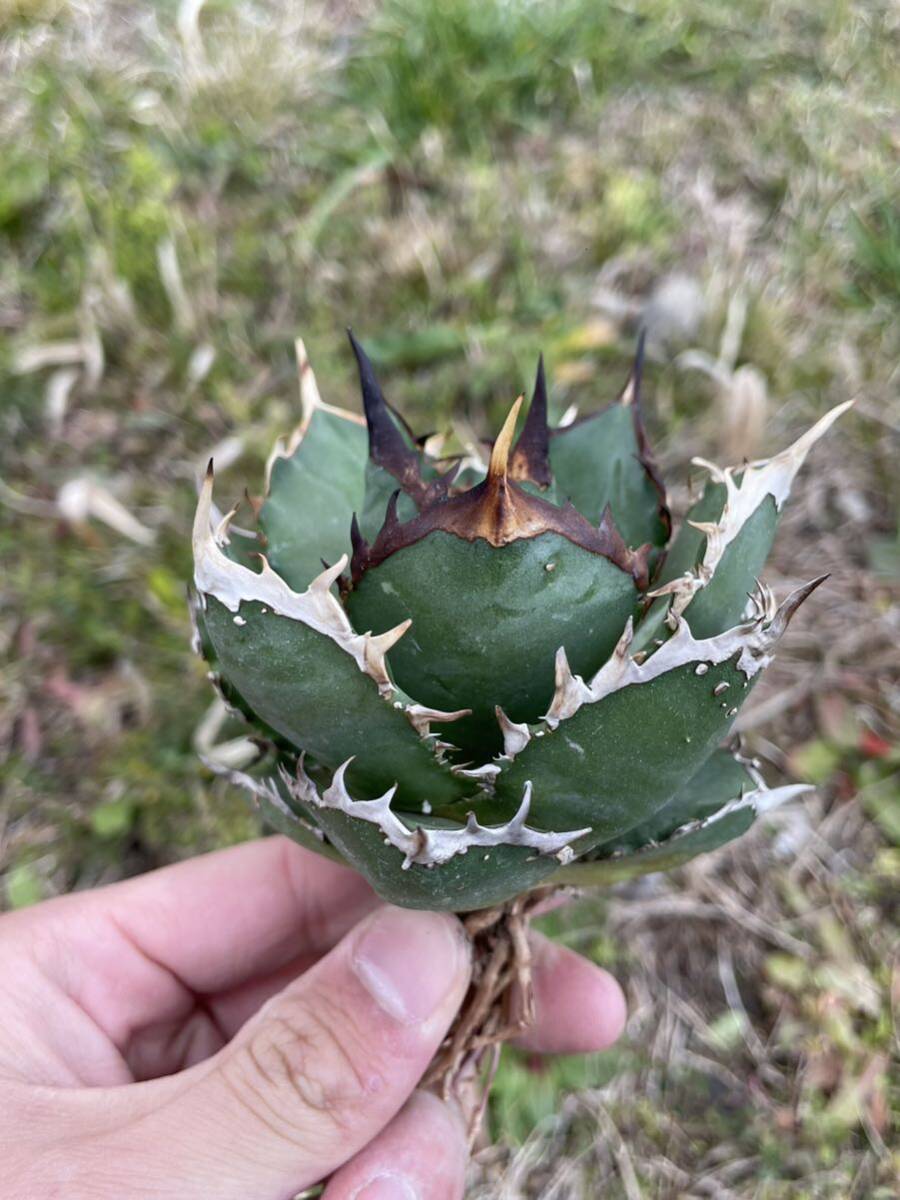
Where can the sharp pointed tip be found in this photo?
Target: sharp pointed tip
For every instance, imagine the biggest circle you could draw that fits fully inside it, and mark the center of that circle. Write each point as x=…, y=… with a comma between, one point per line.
x=631, y=393
x=500, y=452
x=607, y=523
x=531, y=455
x=797, y=597
x=539, y=396
x=356, y=536
x=356, y=346
x=384, y=438
x=209, y=469
x=390, y=513
x=808, y=588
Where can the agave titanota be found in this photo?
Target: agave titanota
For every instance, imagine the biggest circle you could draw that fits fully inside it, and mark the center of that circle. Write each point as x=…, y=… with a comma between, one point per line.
x=468, y=681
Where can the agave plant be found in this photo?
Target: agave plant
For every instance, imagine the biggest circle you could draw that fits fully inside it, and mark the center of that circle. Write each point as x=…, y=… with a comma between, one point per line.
x=470, y=679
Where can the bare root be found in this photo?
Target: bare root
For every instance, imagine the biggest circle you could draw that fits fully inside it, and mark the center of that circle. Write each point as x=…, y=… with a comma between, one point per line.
x=499, y=1005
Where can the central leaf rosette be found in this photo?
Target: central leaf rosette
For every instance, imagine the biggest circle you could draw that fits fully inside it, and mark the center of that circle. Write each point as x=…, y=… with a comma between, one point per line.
x=504, y=666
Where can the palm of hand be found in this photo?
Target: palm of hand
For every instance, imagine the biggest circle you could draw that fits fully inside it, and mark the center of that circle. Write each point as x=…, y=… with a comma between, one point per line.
x=229, y=1019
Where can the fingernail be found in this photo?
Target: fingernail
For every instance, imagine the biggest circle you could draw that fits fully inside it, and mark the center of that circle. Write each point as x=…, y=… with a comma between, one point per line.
x=409, y=961
x=387, y=1187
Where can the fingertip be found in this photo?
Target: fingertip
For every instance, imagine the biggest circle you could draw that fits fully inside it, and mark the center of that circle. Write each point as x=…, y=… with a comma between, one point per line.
x=420, y=1155
x=579, y=1007
x=415, y=965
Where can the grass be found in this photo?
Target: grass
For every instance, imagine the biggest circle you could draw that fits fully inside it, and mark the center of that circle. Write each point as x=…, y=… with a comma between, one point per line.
x=467, y=183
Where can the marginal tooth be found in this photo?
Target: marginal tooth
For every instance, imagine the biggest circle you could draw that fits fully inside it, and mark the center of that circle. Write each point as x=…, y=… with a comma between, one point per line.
x=765, y=799
x=279, y=450
x=303, y=779
x=329, y=576
x=570, y=691
x=716, y=473
x=752, y=643
x=391, y=519
x=623, y=645
x=708, y=528
x=765, y=477
x=789, y=606
x=220, y=534
x=381, y=643
x=310, y=399
x=358, y=543
x=431, y=847
x=687, y=582
x=383, y=803
x=500, y=452
x=338, y=786
x=516, y=735
x=484, y=774
x=518, y=821
x=420, y=716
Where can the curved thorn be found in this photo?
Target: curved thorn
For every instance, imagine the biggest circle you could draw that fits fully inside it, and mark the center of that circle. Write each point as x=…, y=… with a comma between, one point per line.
x=516, y=735
x=326, y=578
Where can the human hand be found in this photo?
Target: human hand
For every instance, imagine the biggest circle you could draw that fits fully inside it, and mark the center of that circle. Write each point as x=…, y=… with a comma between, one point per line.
x=243, y=1025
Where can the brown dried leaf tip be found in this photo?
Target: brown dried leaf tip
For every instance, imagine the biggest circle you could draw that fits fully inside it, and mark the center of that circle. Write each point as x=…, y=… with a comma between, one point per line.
x=387, y=446
x=499, y=511
x=530, y=459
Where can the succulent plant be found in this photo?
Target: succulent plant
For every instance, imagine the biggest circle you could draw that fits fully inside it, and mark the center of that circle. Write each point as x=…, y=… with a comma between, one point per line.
x=468, y=680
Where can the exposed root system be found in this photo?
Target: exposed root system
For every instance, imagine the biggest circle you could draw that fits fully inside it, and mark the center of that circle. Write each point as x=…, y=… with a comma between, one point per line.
x=498, y=1007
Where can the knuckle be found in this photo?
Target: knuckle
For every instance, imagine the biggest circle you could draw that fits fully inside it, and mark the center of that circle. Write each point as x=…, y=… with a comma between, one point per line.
x=307, y=1065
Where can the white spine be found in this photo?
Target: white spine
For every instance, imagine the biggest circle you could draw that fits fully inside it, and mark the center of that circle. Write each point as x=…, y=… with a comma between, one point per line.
x=318, y=608
x=433, y=847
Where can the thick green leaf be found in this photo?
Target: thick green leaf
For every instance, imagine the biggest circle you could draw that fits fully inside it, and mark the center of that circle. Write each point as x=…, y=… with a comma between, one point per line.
x=312, y=497
x=666, y=857
x=721, y=603
x=380, y=485
x=721, y=778
x=687, y=546
x=280, y=810
x=311, y=692
x=487, y=622
x=616, y=762
x=596, y=462
x=473, y=880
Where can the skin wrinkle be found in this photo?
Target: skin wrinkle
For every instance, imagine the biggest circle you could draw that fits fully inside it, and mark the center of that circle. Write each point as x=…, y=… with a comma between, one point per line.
x=91, y=1040
x=311, y=1036
x=177, y=1044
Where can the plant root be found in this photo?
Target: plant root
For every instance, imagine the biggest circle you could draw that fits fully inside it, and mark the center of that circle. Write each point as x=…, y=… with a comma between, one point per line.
x=499, y=1005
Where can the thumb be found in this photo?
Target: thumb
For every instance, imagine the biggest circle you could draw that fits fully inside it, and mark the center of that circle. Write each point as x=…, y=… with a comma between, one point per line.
x=316, y=1074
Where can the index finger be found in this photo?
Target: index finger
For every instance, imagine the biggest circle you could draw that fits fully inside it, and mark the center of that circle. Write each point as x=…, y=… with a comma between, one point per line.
x=143, y=950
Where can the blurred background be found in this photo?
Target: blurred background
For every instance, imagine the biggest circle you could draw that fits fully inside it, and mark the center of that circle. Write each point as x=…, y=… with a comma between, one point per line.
x=186, y=187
